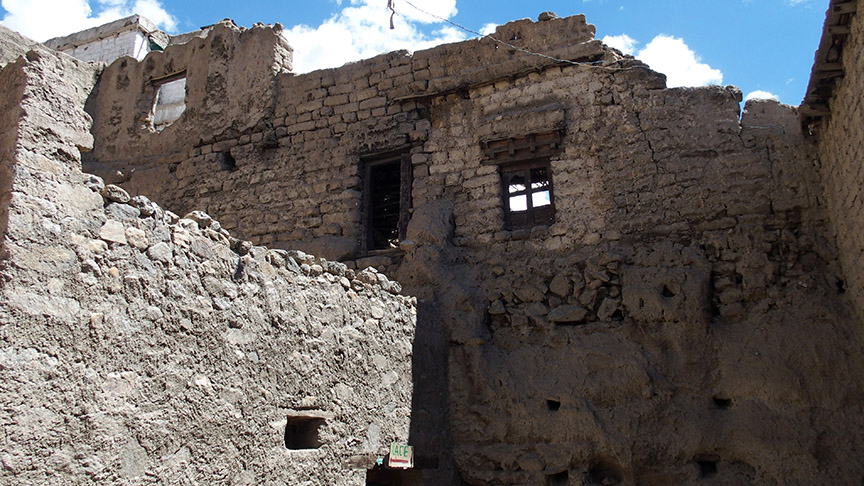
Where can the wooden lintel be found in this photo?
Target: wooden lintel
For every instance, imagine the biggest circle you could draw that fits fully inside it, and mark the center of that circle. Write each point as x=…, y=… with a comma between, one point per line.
x=814, y=109
x=838, y=29
x=828, y=66
x=845, y=8
x=829, y=74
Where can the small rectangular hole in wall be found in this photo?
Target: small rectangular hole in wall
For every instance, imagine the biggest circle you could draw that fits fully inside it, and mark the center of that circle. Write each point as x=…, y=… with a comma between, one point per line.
x=553, y=405
x=721, y=402
x=303, y=433
x=384, y=477
x=558, y=479
x=170, y=100
x=707, y=465
x=227, y=162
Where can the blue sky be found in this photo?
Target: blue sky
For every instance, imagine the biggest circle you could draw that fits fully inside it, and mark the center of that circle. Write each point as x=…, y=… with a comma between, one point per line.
x=759, y=45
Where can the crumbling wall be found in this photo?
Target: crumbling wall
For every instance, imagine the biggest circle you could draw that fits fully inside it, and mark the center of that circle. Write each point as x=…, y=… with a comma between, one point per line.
x=231, y=89
x=142, y=347
x=303, y=164
x=13, y=45
x=680, y=319
x=629, y=340
x=840, y=152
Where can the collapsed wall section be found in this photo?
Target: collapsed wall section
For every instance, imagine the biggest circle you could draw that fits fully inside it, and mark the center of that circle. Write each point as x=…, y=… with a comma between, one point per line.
x=229, y=88
x=142, y=347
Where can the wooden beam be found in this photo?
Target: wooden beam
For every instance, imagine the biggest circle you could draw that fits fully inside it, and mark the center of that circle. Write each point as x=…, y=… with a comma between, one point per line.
x=828, y=66
x=845, y=8
x=829, y=74
x=815, y=109
x=838, y=29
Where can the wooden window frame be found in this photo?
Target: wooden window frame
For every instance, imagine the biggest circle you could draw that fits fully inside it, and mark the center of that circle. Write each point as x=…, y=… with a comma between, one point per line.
x=402, y=157
x=531, y=216
x=521, y=155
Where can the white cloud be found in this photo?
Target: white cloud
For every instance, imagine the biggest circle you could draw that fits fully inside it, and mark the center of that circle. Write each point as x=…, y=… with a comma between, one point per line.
x=362, y=30
x=623, y=43
x=670, y=56
x=761, y=95
x=488, y=29
x=44, y=19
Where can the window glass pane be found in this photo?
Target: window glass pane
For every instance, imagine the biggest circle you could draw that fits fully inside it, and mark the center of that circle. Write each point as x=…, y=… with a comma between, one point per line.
x=517, y=184
x=519, y=203
x=539, y=199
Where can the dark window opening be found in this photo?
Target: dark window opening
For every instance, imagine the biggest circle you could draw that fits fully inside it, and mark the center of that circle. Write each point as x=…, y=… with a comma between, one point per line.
x=302, y=433
x=553, y=405
x=527, y=194
x=387, y=200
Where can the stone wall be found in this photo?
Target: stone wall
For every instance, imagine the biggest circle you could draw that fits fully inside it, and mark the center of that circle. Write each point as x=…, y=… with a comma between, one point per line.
x=839, y=141
x=682, y=318
x=139, y=347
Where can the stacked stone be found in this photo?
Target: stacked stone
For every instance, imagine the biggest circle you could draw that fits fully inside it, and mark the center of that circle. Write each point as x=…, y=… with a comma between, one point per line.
x=140, y=346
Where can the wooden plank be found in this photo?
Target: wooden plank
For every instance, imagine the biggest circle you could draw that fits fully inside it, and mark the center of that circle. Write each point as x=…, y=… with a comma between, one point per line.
x=829, y=74
x=845, y=8
x=828, y=66
x=815, y=109
x=838, y=29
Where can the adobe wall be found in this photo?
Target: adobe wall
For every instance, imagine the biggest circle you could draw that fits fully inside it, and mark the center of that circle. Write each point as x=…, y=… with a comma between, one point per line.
x=682, y=319
x=142, y=347
x=841, y=153
x=231, y=89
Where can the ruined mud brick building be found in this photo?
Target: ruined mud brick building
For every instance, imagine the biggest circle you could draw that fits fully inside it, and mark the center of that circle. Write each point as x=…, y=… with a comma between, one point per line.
x=616, y=282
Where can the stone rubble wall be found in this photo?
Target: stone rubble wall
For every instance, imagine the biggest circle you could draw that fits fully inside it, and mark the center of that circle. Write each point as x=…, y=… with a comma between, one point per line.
x=841, y=154
x=140, y=347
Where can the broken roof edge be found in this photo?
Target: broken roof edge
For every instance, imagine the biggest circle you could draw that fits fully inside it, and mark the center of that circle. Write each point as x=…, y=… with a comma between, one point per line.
x=827, y=63
x=135, y=21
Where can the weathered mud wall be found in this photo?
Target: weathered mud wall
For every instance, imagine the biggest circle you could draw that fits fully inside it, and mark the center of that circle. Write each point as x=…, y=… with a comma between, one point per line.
x=667, y=311
x=303, y=164
x=139, y=347
x=230, y=89
x=841, y=153
x=683, y=317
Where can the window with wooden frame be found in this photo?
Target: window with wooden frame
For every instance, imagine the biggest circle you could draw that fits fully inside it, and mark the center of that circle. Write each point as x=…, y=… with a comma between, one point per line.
x=387, y=199
x=526, y=177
